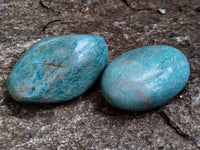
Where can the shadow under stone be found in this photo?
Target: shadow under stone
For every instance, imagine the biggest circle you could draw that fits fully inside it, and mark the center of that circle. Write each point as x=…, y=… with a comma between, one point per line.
x=108, y=110
x=93, y=94
x=24, y=110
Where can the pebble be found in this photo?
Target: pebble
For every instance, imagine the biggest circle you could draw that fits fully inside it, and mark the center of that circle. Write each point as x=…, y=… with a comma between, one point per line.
x=58, y=68
x=145, y=78
x=162, y=11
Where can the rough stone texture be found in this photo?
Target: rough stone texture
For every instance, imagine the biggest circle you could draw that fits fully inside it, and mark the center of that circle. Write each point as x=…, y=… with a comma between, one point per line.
x=88, y=122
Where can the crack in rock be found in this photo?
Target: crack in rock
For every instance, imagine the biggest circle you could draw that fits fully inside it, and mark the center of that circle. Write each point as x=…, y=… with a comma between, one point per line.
x=126, y=3
x=50, y=22
x=135, y=9
x=174, y=126
x=47, y=7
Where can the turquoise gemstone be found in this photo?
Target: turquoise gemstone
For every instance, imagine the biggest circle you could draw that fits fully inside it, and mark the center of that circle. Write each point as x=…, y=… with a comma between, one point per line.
x=145, y=78
x=58, y=68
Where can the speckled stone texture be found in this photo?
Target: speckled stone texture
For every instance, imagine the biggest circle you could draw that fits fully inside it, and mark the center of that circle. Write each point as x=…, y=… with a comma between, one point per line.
x=88, y=122
x=58, y=68
x=145, y=78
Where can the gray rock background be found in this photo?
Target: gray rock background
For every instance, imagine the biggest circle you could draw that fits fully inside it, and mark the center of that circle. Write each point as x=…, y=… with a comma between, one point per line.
x=88, y=122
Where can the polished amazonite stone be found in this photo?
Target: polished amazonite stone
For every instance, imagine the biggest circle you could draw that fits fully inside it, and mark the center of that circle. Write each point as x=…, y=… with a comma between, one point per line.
x=145, y=78
x=58, y=68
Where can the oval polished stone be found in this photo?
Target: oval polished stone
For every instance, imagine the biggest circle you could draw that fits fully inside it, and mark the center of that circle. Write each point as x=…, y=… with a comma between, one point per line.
x=145, y=78
x=58, y=68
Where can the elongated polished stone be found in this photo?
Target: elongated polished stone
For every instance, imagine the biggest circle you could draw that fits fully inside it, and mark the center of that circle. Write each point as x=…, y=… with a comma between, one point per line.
x=58, y=68
x=145, y=78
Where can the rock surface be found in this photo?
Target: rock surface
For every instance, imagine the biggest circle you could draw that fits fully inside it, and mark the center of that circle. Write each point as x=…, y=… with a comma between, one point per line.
x=88, y=121
x=145, y=78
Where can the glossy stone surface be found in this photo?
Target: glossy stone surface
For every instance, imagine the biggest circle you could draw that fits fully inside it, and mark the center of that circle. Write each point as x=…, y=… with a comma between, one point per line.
x=145, y=78
x=58, y=68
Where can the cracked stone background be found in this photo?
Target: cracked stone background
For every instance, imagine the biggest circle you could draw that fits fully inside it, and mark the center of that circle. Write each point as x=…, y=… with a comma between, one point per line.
x=89, y=122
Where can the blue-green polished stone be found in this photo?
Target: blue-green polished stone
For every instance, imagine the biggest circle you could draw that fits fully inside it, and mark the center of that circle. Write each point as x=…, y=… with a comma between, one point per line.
x=58, y=68
x=145, y=78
